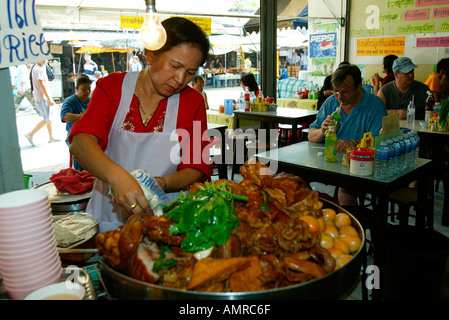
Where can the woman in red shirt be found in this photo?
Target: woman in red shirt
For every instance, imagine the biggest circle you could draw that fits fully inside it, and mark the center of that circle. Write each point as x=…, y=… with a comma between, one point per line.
x=150, y=120
x=378, y=81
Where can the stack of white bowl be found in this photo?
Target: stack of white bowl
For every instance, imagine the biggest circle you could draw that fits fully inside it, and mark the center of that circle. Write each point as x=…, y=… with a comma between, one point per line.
x=29, y=258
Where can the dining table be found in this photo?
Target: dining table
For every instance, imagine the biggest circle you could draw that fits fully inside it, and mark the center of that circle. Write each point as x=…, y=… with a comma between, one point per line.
x=219, y=131
x=432, y=146
x=268, y=119
x=310, y=104
x=306, y=160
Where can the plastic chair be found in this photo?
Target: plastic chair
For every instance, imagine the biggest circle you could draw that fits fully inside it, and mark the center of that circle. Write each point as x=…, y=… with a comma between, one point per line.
x=285, y=134
x=239, y=141
x=406, y=198
x=305, y=134
x=250, y=145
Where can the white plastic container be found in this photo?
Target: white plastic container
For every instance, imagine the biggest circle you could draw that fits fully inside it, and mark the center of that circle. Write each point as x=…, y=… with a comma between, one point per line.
x=361, y=161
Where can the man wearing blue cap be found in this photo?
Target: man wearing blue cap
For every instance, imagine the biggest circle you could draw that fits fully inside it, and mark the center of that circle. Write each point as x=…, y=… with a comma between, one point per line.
x=397, y=94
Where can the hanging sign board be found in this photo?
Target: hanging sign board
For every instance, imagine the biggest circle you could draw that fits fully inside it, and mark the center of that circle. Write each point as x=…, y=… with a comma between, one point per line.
x=381, y=46
x=21, y=36
x=204, y=23
x=131, y=22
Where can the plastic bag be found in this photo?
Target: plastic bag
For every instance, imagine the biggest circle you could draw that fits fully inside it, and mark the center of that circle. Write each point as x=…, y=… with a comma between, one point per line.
x=152, y=190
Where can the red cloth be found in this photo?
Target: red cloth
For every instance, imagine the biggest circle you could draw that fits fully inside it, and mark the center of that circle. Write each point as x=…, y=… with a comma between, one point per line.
x=73, y=181
x=99, y=116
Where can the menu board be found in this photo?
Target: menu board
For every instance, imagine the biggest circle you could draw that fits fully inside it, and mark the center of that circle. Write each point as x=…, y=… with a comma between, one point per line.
x=21, y=36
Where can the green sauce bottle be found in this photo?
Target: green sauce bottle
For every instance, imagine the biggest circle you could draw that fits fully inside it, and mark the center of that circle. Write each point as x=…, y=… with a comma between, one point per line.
x=336, y=115
x=330, y=145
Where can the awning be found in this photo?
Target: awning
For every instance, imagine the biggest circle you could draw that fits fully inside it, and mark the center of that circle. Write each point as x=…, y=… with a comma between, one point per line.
x=286, y=8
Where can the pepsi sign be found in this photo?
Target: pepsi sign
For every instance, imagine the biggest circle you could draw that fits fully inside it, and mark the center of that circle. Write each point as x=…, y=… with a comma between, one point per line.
x=323, y=45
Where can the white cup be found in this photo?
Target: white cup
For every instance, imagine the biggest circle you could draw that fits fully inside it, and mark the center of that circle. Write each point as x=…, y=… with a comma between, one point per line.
x=59, y=291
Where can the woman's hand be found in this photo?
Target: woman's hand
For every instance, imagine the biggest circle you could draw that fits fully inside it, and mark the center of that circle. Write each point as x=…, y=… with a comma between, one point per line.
x=376, y=78
x=128, y=193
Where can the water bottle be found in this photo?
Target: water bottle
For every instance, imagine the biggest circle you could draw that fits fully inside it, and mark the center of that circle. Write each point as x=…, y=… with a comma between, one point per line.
x=330, y=145
x=252, y=97
x=417, y=139
x=411, y=112
x=391, y=153
x=408, y=152
x=242, y=101
x=412, y=137
x=382, y=163
x=397, y=156
x=402, y=162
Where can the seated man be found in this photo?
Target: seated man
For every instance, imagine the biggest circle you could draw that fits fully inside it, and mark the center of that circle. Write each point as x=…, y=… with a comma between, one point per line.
x=361, y=112
x=326, y=89
x=397, y=94
x=434, y=79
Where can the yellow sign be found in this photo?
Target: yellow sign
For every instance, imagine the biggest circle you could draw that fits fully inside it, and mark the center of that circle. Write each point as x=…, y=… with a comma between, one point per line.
x=204, y=23
x=56, y=49
x=131, y=22
x=381, y=46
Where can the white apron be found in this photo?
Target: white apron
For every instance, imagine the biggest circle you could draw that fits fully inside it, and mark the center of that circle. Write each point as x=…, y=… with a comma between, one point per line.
x=154, y=152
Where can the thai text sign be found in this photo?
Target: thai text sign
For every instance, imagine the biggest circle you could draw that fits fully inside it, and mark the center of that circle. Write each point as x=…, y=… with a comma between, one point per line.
x=381, y=46
x=204, y=23
x=21, y=37
x=432, y=42
x=131, y=22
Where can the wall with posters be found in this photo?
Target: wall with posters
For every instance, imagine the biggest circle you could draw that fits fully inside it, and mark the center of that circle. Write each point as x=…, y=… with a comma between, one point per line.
x=418, y=29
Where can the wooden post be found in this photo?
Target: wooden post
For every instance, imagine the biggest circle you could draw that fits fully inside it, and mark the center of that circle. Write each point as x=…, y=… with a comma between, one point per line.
x=113, y=63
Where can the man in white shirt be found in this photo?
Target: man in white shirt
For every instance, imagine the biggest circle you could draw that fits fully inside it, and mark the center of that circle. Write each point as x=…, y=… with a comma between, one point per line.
x=248, y=64
x=42, y=96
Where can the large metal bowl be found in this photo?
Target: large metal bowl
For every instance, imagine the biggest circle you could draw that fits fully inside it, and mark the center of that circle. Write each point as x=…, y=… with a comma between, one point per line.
x=338, y=284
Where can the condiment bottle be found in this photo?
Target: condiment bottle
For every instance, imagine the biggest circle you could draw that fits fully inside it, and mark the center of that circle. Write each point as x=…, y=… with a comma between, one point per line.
x=429, y=106
x=247, y=100
x=260, y=97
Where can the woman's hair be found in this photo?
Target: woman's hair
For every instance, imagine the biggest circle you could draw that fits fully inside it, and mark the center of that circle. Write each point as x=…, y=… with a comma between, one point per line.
x=249, y=81
x=343, y=71
x=388, y=62
x=180, y=30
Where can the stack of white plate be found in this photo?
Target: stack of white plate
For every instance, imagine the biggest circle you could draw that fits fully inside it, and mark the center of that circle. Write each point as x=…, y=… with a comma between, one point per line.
x=29, y=258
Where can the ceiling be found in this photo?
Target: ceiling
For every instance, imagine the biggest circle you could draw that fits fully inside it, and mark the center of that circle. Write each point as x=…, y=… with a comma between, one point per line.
x=287, y=12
